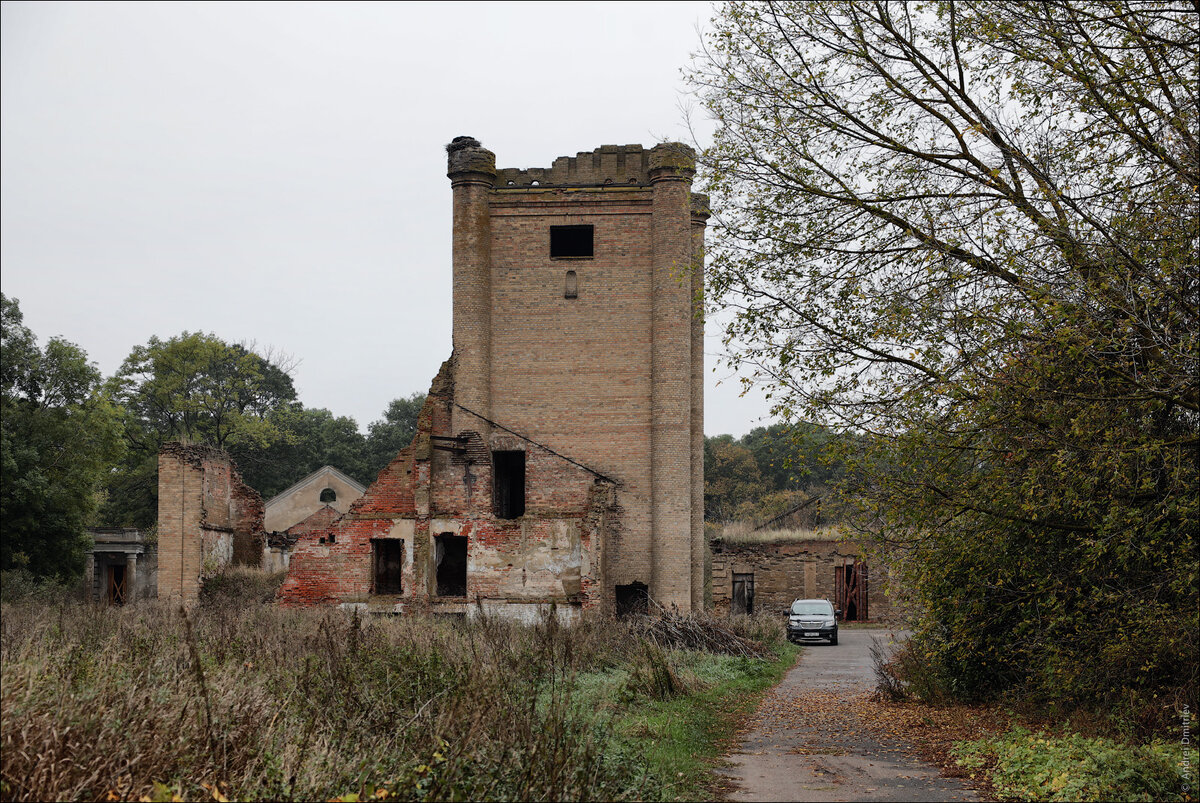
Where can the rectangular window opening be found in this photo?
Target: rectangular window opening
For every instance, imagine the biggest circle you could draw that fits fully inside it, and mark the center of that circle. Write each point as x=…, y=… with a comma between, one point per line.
x=571, y=241
x=509, y=484
x=387, y=560
x=450, y=555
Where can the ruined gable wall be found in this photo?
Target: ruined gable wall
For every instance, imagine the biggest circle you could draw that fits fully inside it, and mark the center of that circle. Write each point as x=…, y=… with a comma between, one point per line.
x=207, y=518
x=547, y=555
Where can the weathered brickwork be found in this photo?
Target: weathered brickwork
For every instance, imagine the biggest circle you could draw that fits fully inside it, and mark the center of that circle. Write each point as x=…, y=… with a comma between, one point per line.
x=807, y=569
x=439, y=486
x=207, y=518
x=590, y=365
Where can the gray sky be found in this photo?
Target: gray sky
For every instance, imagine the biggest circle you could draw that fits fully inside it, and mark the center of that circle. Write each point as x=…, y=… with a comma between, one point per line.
x=275, y=172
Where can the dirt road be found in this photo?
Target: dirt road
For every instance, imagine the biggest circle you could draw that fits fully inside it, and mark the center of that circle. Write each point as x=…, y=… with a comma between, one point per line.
x=808, y=740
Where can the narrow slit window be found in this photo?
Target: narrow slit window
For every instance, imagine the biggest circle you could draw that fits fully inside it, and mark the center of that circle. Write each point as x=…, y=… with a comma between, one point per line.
x=572, y=241
x=508, y=484
x=387, y=559
x=571, y=290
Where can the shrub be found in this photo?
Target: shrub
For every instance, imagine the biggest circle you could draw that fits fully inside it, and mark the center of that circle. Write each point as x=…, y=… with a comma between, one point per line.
x=1070, y=767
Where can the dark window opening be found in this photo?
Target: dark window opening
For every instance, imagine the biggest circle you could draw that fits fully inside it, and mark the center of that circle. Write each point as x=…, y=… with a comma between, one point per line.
x=450, y=555
x=387, y=560
x=508, y=484
x=328, y=495
x=572, y=287
x=571, y=241
x=116, y=585
x=851, y=584
x=633, y=599
x=743, y=593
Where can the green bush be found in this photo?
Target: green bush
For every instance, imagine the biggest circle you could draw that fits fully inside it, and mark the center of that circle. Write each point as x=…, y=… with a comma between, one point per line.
x=1070, y=767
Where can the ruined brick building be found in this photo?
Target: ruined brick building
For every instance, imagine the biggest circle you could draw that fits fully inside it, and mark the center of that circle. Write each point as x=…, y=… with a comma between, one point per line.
x=559, y=456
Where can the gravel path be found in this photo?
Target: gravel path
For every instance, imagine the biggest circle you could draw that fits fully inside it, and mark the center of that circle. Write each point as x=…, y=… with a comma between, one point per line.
x=808, y=740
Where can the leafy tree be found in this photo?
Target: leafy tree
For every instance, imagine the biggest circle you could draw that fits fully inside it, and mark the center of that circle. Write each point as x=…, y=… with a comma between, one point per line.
x=198, y=388
x=193, y=387
x=58, y=437
x=732, y=480
x=387, y=436
x=314, y=438
x=966, y=233
x=310, y=438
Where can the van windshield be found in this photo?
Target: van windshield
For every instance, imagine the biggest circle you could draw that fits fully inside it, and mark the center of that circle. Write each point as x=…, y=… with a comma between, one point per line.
x=818, y=608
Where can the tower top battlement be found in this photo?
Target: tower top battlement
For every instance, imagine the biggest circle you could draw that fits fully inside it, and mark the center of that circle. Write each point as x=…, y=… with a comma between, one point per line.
x=608, y=165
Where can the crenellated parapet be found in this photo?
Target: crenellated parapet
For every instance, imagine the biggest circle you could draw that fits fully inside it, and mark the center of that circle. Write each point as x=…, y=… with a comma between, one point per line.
x=608, y=165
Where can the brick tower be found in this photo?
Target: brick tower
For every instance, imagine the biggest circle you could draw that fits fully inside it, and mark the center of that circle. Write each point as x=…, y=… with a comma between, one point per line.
x=576, y=300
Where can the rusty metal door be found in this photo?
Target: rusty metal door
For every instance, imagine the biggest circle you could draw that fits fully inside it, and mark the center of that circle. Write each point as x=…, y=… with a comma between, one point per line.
x=851, y=581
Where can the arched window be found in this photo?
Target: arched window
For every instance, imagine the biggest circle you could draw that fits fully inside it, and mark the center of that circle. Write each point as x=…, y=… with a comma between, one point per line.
x=328, y=495
x=572, y=286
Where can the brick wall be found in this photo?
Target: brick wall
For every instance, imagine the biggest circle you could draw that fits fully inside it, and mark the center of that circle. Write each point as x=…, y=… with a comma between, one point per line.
x=207, y=518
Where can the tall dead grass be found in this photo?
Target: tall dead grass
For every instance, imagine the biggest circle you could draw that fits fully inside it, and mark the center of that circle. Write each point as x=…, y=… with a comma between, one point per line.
x=254, y=702
x=743, y=532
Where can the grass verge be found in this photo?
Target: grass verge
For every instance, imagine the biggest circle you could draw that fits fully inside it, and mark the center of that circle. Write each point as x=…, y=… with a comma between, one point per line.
x=681, y=737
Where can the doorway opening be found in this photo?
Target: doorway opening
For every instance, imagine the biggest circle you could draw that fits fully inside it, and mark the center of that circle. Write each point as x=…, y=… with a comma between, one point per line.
x=743, y=593
x=632, y=599
x=116, y=584
x=450, y=555
x=387, y=559
x=851, y=584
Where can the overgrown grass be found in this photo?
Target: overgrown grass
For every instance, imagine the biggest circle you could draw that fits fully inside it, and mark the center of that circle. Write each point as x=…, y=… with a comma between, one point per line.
x=743, y=532
x=1043, y=766
x=252, y=702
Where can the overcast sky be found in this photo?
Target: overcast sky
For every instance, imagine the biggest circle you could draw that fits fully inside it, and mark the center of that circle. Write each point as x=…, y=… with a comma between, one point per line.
x=275, y=173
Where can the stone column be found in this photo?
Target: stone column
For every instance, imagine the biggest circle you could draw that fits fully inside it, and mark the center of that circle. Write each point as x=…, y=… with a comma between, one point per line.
x=671, y=166
x=700, y=214
x=89, y=576
x=472, y=172
x=130, y=577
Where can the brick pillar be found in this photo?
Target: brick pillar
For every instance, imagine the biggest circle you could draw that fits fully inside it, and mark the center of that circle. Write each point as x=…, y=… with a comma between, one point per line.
x=699, y=210
x=180, y=488
x=671, y=168
x=472, y=172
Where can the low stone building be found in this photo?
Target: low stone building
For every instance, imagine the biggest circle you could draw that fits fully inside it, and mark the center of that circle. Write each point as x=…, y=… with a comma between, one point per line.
x=767, y=576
